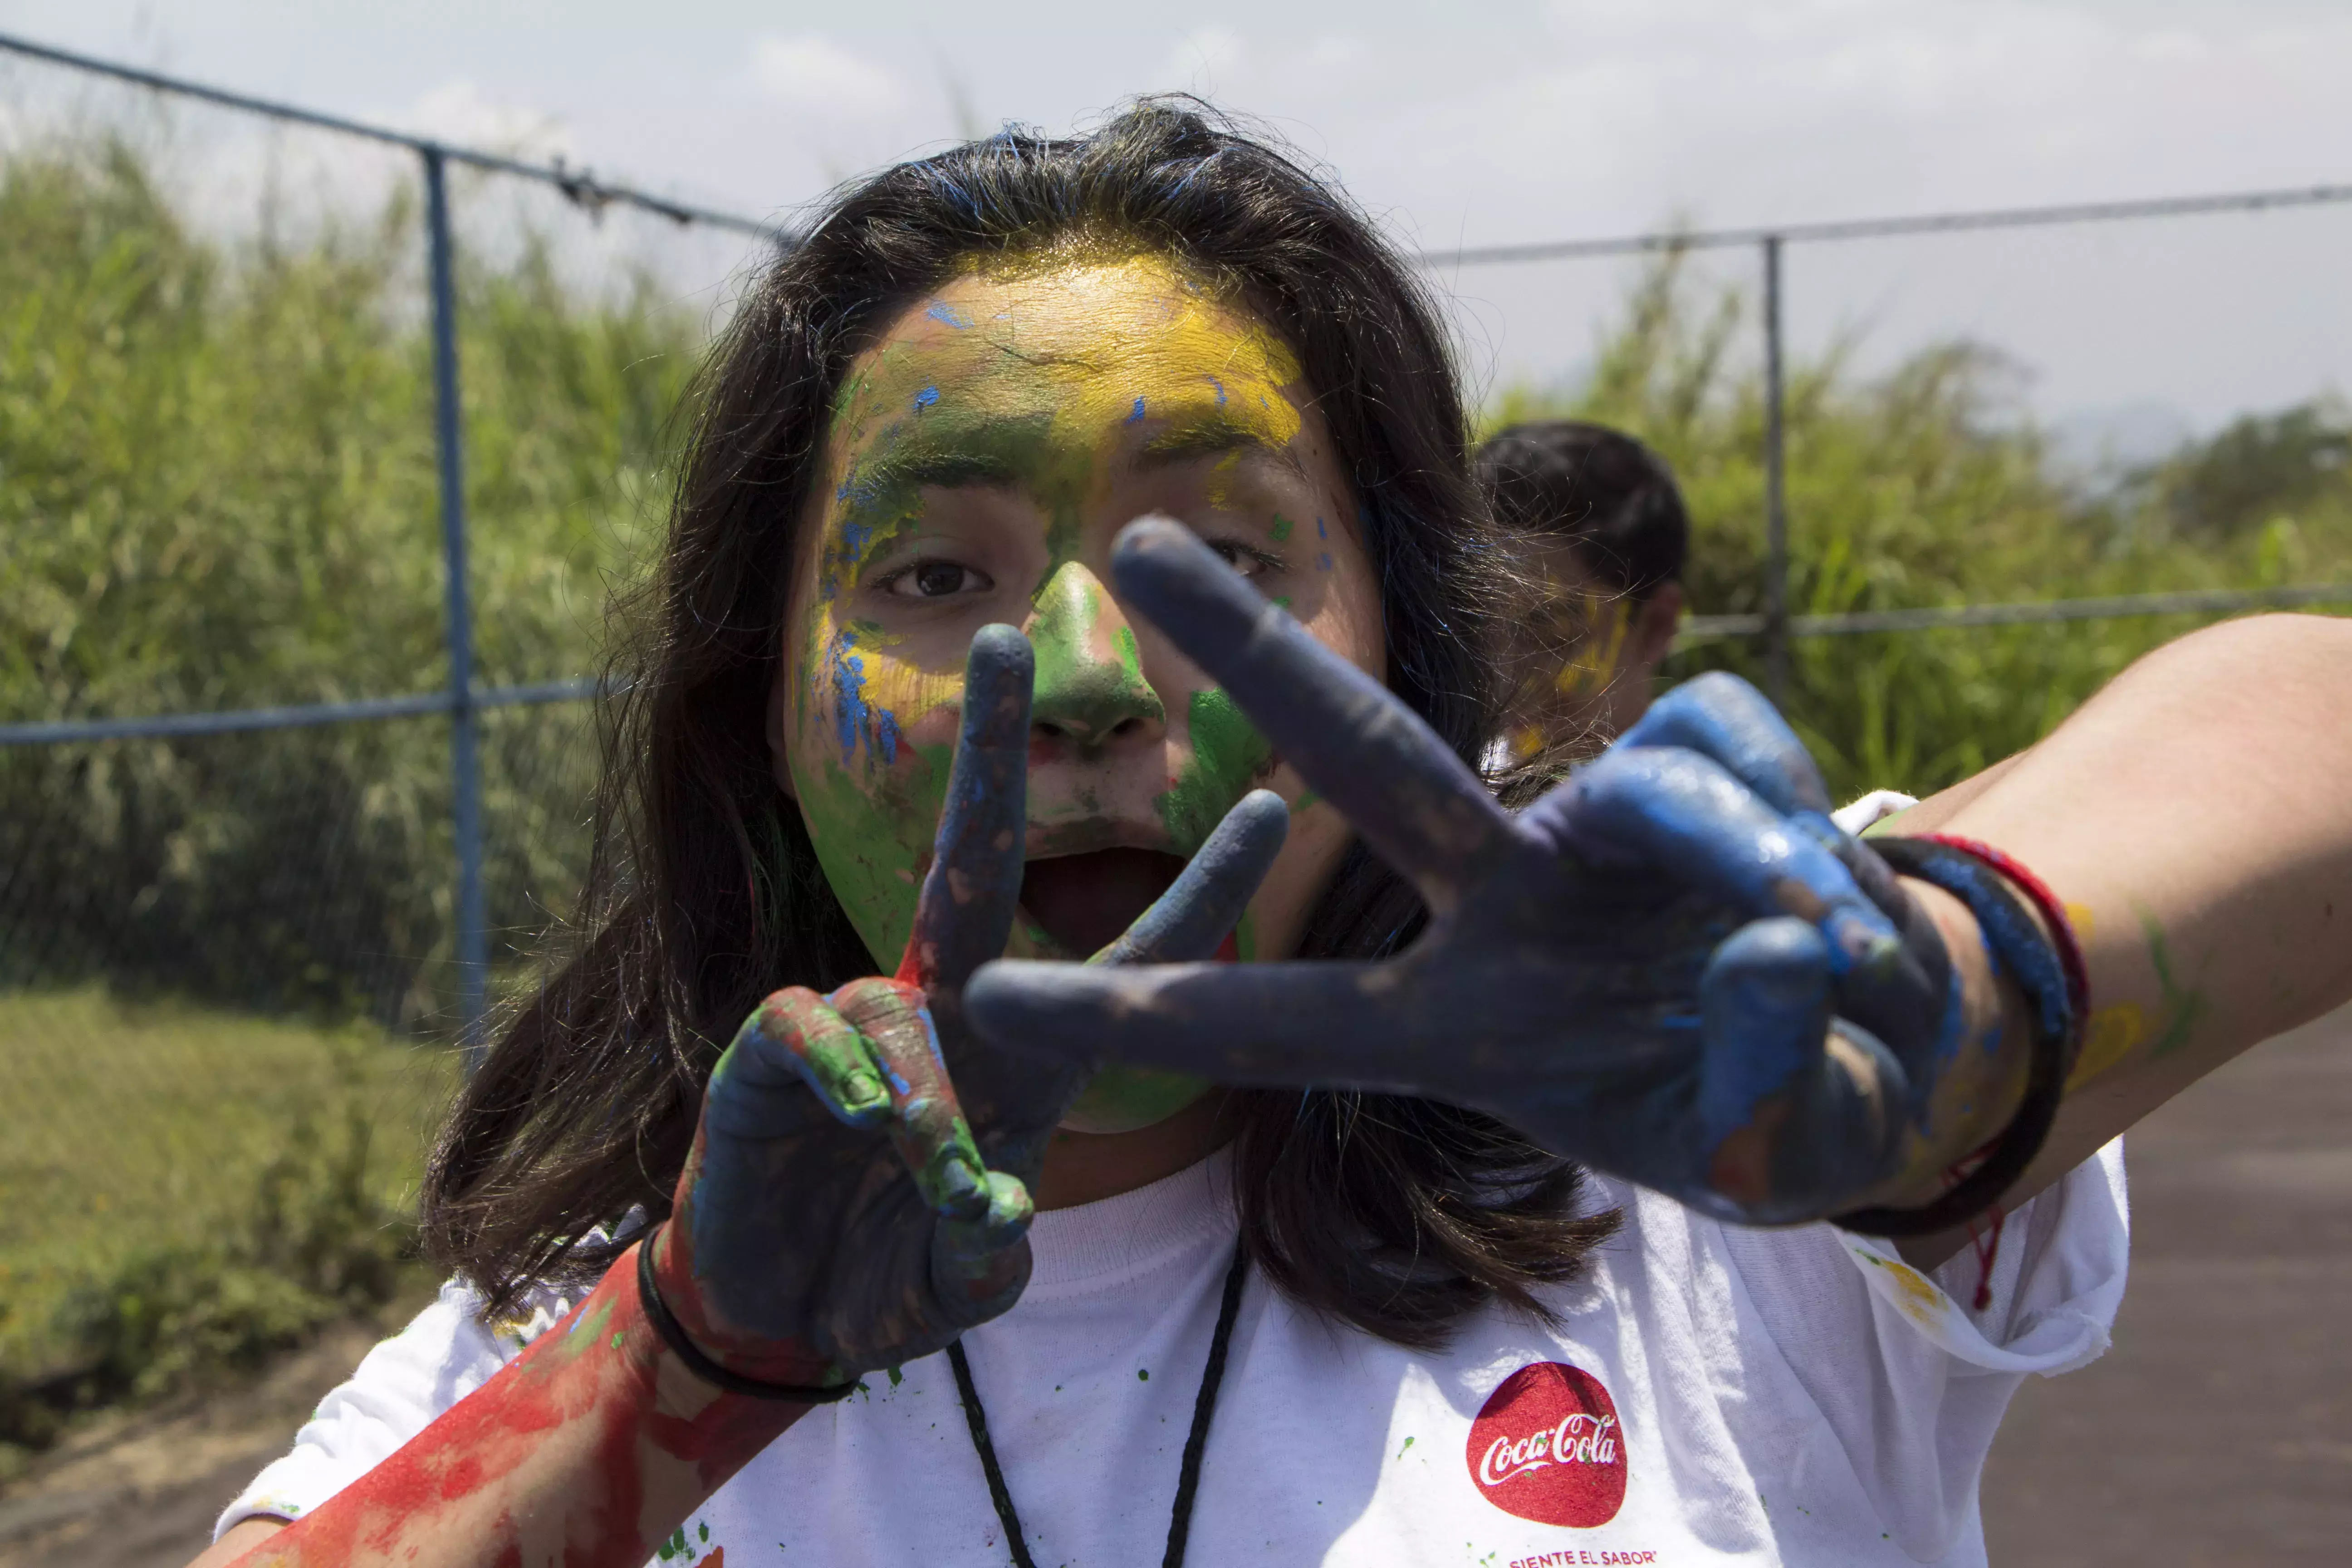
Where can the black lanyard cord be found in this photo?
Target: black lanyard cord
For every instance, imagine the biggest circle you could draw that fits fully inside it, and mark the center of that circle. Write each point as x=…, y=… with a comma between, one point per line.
x=1196, y=1442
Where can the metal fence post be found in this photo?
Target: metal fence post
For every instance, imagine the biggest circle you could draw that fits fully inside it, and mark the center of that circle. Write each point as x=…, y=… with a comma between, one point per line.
x=1776, y=499
x=465, y=754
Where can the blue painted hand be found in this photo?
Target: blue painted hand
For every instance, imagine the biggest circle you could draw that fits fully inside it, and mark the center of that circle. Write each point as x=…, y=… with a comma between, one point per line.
x=1673, y=967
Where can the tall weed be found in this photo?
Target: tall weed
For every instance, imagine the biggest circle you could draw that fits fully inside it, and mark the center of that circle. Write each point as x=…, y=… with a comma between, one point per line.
x=218, y=490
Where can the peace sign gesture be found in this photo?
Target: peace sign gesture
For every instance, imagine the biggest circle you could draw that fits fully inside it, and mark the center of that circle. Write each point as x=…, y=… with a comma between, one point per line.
x=858, y=1192
x=1672, y=966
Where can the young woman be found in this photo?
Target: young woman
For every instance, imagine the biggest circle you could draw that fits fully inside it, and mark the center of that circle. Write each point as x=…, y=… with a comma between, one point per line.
x=895, y=1277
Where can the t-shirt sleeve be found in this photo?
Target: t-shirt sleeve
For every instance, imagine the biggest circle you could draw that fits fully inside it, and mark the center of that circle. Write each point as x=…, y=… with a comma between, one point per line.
x=1913, y=1370
x=401, y=1387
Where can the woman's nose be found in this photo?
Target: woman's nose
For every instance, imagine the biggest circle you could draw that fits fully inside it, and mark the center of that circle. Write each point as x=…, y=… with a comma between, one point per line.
x=1090, y=690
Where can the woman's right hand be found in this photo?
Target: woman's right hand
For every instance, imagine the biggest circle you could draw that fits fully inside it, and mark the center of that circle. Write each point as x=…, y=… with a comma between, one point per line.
x=857, y=1191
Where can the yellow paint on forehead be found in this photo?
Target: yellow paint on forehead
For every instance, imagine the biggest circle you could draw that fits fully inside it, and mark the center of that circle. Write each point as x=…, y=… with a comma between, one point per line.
x=1102, y=333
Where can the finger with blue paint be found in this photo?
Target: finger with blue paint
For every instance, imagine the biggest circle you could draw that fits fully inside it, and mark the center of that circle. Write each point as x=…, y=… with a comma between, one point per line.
x=1665, y=967
x=1722, y=718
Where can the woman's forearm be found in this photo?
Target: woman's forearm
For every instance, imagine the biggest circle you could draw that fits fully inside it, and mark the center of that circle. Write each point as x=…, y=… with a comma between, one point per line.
x=2196, y=819
x=588, y=1449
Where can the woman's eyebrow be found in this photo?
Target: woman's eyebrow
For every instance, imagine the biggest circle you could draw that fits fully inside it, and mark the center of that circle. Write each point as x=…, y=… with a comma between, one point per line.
x=1214, y=437
x=993, y=451
x=933, y=468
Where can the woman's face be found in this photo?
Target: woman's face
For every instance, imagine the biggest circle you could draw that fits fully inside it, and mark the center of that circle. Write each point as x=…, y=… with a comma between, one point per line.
x=981, y=459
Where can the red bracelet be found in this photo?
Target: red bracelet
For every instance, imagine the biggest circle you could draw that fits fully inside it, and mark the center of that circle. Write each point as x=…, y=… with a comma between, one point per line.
x=2054, y=915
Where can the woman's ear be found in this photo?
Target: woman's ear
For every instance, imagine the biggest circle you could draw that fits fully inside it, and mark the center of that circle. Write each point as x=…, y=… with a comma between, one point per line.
x=1655, y=621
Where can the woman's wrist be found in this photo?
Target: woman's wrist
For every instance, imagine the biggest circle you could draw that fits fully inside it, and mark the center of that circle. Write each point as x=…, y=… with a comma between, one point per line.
x=1983, y=1085
x=709, y=1340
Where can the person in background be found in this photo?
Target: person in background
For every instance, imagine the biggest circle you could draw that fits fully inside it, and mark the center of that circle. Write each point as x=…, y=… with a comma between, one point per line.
x=1602, y=535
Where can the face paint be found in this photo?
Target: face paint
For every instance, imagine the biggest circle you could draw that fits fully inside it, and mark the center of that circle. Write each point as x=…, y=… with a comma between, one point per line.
x=1002, y=431
x=871, y=794
x=1230, y=758
x=1591, y=662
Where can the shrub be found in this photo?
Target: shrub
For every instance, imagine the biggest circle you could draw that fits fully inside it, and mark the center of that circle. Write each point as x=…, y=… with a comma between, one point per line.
x=1929, y=486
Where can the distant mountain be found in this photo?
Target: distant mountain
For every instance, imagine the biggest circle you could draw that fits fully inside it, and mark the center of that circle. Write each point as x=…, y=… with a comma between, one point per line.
x=2100, y=446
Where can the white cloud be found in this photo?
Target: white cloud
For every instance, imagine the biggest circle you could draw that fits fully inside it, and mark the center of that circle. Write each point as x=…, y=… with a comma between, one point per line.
x=818, y=78
x=460, y=111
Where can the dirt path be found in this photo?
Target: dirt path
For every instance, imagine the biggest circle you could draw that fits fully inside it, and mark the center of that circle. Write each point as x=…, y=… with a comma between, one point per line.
x=2217, y=1431
x=143, y=1492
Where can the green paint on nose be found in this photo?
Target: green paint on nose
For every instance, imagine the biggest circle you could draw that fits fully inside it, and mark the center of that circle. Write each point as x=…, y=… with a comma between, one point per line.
x=1087, y=685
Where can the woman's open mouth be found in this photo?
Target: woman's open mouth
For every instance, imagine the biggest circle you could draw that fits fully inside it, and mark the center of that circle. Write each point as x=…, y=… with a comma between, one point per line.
x=1083, y=902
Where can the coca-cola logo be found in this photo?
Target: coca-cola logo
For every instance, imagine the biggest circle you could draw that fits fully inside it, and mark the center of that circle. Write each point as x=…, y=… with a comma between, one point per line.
x=1547, y=1447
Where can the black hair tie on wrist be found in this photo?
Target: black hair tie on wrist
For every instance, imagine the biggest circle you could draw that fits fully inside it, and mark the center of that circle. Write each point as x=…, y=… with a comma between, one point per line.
x=2021, y=951
x=657, y=1313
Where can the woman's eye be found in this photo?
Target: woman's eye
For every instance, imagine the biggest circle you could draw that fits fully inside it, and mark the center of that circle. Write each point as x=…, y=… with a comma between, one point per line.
x=1249, y=562
x=935, y=580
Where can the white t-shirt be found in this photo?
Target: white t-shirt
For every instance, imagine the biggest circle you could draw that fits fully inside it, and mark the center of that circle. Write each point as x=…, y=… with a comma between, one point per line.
x=1710, y=1394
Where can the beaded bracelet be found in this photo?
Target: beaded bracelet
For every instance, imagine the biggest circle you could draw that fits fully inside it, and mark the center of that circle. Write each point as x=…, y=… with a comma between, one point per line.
x=657, y=1312
x=2048, y=966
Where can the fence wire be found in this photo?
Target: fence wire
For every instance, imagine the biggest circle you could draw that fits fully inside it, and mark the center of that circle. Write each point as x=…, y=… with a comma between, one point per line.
x=250, y=864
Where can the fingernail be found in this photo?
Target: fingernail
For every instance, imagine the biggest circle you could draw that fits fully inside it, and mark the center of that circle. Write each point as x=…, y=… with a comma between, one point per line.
x=862, y=1091
x=960, y=1178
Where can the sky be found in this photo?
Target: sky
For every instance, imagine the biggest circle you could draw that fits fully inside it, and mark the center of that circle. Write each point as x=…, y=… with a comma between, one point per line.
x=1478, y=123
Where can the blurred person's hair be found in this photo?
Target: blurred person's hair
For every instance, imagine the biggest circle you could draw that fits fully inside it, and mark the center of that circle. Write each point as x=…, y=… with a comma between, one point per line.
x=1397, y=1215
x=1597, y=490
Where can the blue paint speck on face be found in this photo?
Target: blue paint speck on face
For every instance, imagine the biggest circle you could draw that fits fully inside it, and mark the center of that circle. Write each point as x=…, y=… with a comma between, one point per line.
x=854, y=537
x=944, y=311
x=1135, y=416
x=1320, y=531
x=1323, y=561
x=926, y=398
x=849, y=708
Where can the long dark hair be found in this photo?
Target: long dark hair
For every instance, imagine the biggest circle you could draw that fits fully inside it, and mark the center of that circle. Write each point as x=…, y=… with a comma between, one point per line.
x=1398, y=1216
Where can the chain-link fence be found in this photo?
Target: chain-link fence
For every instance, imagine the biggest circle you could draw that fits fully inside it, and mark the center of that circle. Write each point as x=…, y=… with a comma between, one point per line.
x=321, y=446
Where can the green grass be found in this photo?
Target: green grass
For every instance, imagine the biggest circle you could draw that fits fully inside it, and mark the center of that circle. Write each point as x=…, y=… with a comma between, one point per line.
x=133, y=1133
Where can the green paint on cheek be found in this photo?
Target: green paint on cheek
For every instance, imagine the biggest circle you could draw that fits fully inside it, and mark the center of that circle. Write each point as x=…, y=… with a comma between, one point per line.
x=872, y=831
x=1281, y=529
x=1306, y=799
x=1228, y=756
x=1121, y=1099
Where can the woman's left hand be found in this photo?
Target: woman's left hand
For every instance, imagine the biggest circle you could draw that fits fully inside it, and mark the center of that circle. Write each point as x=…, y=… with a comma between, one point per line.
x=1673, y=967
